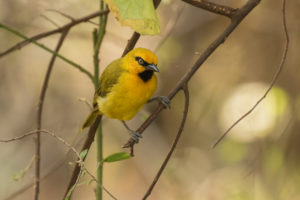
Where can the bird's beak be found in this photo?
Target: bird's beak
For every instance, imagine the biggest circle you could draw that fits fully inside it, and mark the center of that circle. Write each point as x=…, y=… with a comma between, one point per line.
x=152, y=67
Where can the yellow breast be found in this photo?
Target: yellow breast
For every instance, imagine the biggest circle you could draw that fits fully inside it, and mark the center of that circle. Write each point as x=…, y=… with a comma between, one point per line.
x=127, y=97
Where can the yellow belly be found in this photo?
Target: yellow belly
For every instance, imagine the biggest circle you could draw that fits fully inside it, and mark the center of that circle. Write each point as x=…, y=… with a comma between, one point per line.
x=127, y=97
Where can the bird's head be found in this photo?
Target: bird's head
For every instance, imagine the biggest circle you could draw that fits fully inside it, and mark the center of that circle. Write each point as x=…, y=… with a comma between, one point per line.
x=139, y=60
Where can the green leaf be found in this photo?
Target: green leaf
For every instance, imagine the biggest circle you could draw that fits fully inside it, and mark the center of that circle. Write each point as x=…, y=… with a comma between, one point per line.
x=116, y=157
x=83, y=153
x=140, y=15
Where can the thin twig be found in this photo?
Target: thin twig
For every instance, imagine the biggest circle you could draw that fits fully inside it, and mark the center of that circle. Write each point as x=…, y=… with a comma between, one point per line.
x=236, y=20
x=274, y=79
x=80, y=160
x=87, y=103
x=61, y=13
x=19, y=45
x=180, y=130
x=169, y=28
x=47, y=49
x=213, y=7
x=69, y=16
x=18, y=137
x=50, y=20
x=24, y=171
x=87, y=144
x=37, y=137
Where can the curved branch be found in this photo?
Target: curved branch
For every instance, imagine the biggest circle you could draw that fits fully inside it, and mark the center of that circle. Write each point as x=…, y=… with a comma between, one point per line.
x=275, y=77
x=236, y=20
x=87, y=144
x=37, y=137
x=213, y=7
x=164, y=164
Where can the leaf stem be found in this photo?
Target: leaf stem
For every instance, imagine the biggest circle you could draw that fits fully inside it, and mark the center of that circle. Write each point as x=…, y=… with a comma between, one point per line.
x=97, y=41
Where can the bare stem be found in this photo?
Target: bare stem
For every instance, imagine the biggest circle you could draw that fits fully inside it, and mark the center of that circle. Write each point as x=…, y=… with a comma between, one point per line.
x=274, y=79
x=164, y=164
x=213, y=7
x=37, y=137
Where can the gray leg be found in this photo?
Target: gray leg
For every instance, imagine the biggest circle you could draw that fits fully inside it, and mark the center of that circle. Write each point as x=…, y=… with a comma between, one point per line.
x=163, y=99
x=134, y=135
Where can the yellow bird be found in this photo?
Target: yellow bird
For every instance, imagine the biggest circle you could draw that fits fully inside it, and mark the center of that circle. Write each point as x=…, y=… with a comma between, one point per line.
x=125, y=86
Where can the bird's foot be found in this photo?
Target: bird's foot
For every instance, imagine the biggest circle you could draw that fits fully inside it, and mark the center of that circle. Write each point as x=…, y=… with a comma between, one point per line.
x=163, y=99
x=135, y=135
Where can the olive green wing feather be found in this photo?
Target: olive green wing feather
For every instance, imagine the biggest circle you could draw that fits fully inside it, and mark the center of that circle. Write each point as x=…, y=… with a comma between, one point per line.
x=108, y=79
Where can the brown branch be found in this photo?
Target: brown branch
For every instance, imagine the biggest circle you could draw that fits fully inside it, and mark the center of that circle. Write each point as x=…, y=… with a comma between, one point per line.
x=164, y=164
x=275, y=77
x=37, y=137
x=92, y=131
x=236, y=20
x=131, y=43
x=69, y=25
x=69, y=16
x=80, y=160
x=87, y=144
x=213, y=7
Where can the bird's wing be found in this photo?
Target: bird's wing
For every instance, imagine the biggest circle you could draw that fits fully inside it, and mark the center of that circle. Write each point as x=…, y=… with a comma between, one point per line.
x=109, y=78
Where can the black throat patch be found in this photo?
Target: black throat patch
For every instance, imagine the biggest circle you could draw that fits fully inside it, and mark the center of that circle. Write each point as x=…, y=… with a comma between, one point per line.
x=146, y=75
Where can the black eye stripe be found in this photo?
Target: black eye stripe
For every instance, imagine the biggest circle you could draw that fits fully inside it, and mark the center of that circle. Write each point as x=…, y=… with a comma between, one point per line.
x=141, y=61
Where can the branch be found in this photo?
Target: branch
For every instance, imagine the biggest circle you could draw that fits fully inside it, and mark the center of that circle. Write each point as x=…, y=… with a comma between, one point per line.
x=212, y=7
x=80, y=160
x=275, y=77
x=37, y=137
x=47, y=49
x=18, y=137
x=87, y=144
x=236, y=20
x=185, y=112
x=69, y=25
x=92, y=131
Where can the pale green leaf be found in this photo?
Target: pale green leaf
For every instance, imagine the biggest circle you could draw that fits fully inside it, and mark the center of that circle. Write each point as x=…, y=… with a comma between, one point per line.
x=140, y=15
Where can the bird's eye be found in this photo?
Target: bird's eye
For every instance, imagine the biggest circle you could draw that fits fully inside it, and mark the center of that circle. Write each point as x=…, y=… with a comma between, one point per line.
x=140, y=61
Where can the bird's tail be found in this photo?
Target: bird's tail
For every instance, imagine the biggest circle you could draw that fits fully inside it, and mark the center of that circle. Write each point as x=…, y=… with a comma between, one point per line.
x=90, y=119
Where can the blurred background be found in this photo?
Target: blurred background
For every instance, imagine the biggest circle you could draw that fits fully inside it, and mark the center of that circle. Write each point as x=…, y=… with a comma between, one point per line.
x=258, y=160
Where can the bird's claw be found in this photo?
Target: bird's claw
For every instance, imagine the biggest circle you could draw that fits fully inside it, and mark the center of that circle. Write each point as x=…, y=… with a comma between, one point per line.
x=135, y=136
x=165, y=101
